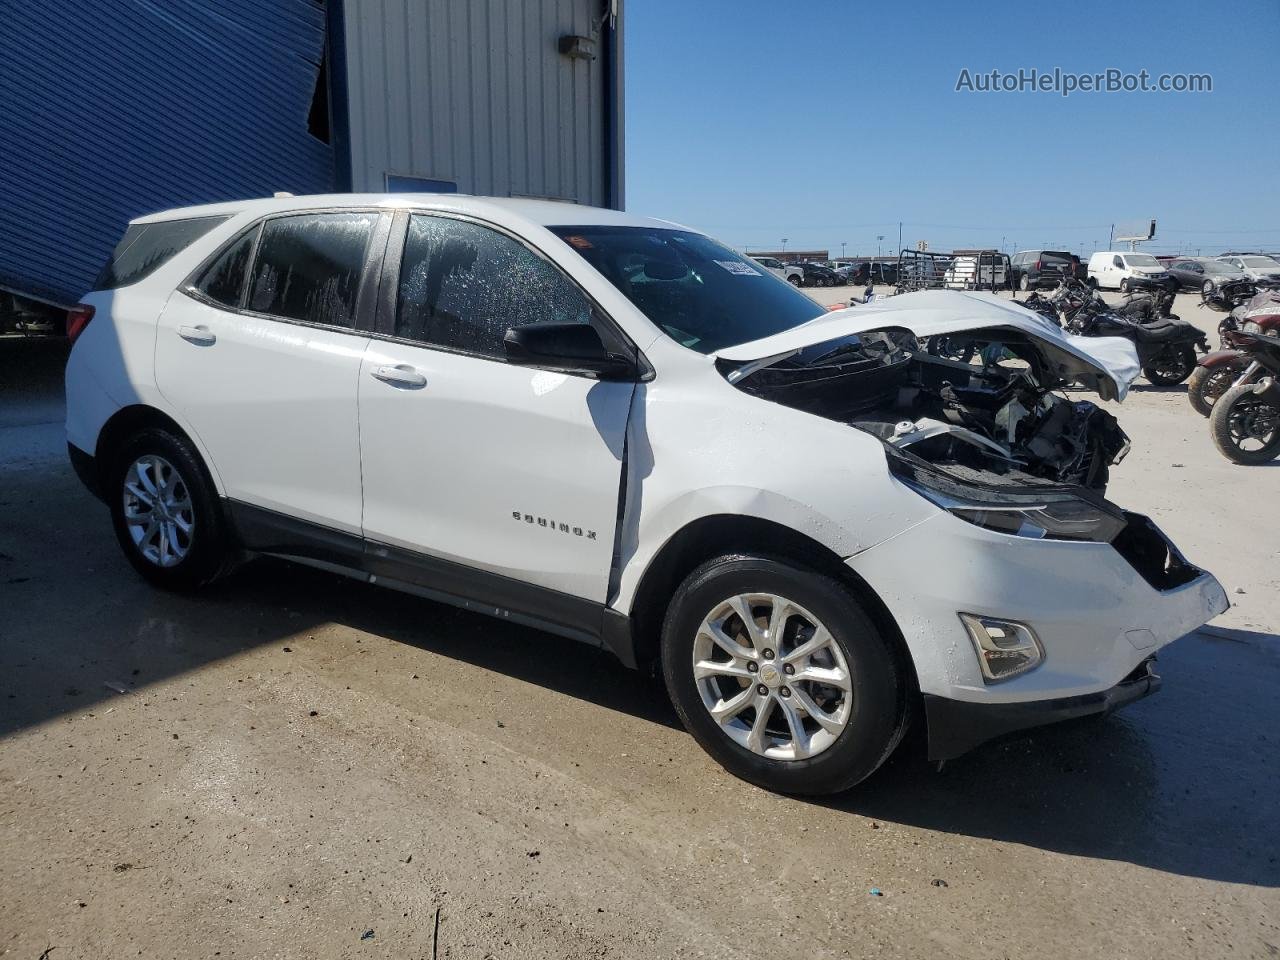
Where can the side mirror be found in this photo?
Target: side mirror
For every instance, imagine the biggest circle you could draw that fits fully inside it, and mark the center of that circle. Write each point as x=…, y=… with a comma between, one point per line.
x=566, y=347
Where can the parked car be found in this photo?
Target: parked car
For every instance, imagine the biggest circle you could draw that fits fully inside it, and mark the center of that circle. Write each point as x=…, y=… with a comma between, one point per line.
x=817, y=275
x=843, y=269
x=1203, y=274
x=1255, y=266
x=626, y=433
x=1118, y=269
x=1035, y=269
x=783, y=271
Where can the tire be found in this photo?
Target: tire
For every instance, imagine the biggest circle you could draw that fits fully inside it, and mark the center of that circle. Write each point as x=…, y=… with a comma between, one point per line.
x=1124, y=285
x=872, y=712
x=1230, y=417
x=1168, y=368
x=1024, y=283
x=180, y=561
x=795, y=281
x=1092, y=283
x=1207, y=384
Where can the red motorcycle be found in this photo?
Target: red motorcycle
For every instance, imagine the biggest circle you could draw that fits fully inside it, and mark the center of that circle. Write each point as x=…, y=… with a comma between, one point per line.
x=1219, y=371
x=1245, y=423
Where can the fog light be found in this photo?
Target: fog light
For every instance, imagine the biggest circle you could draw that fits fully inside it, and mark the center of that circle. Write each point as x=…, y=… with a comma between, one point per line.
x=1005, y=648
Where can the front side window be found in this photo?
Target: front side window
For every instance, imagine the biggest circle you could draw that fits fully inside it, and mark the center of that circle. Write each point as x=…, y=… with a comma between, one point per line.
x=145, y=247
x=223, y=280
x=463, y=285
x=700, y=293
x=308, y=267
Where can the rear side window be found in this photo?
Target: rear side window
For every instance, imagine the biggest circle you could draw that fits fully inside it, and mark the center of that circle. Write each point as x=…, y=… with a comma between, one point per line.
x=223, y=280
x=308, y=267
x=147, y=246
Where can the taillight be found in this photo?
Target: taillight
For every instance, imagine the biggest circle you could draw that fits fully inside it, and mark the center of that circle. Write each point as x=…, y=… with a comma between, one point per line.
x=1038, y=267
x=78, y=318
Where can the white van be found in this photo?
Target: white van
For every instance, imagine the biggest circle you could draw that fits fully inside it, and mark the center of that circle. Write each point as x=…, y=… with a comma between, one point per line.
x=1120, y=270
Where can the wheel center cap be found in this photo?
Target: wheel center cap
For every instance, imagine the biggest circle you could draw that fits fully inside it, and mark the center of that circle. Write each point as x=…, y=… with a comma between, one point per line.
x=770, y=675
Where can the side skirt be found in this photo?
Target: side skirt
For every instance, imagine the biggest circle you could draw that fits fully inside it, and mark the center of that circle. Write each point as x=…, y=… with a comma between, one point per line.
x=269, y=532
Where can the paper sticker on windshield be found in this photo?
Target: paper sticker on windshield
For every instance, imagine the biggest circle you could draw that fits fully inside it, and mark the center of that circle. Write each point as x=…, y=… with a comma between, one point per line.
x=739, y=268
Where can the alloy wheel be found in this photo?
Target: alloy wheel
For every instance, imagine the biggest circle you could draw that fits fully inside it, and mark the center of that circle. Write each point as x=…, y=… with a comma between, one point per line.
x=772, y=676
x=1254, y=423
x=158, y=512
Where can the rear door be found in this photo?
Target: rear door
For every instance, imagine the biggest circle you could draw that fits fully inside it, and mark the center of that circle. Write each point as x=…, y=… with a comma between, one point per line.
x=261, y=355
x=473, y=465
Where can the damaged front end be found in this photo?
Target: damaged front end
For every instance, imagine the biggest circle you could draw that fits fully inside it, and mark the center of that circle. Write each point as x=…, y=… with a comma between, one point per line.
x=994, y=422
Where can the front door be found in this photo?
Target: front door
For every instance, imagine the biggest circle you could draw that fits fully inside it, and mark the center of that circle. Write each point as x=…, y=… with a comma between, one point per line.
x=261, y=357
x=472, y=461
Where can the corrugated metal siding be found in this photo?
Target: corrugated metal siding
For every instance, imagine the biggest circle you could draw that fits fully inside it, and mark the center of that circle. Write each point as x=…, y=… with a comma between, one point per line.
x=114, y=108
x=476, y=91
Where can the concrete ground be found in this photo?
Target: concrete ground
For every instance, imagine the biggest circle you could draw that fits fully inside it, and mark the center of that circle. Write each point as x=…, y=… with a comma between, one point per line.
x=295, y=765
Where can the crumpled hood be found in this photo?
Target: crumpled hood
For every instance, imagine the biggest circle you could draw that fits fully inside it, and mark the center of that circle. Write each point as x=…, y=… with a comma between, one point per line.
x=1107, y=365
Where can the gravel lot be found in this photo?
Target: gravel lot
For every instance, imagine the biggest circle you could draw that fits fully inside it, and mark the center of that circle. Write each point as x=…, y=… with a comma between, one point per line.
x=296, y=765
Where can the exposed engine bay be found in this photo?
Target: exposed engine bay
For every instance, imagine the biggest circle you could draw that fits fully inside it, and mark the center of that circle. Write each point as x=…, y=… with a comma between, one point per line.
x=994, y=420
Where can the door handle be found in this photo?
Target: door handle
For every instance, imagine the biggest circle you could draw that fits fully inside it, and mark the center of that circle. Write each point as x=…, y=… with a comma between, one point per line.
x=400, y=375
x=200, y=335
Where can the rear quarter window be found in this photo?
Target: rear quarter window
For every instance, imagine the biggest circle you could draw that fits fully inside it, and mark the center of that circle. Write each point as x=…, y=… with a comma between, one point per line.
x=145, y=247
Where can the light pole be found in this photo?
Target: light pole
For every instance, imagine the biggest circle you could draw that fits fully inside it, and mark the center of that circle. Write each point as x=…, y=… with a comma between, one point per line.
x=879, y=238
x=784, y=244
x=842, y=243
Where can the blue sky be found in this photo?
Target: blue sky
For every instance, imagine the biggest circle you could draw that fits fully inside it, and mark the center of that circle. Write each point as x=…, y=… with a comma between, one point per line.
x=825, y=121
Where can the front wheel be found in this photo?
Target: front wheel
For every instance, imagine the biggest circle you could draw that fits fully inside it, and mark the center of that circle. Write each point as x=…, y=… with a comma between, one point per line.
x=1207, y=384
x=794, y=280
x=1246, y=425
x=1170, y=366
x=1124, y=286
x=165, y=511
x=1024, y=283
x=778, y=673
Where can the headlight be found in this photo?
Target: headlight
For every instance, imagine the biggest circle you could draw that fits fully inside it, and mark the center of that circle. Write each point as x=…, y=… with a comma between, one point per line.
x=1250, y=326
x=1055, y=514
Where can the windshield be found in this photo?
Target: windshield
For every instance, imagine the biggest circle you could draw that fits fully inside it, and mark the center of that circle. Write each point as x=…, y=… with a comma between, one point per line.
x=1259, y=262
x=1212, y=266
x=1142, y=260
x=699, y=292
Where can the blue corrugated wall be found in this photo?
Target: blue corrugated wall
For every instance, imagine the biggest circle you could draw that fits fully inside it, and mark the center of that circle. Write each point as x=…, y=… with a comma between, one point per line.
x=114, y=108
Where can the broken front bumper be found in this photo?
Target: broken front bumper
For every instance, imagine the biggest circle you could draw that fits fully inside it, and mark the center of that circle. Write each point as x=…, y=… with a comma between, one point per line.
x=1099, y=610
x=957, y=726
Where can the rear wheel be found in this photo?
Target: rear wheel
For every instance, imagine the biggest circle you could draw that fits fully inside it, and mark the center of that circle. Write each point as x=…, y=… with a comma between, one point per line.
x=1207, y=384
x=1024, y=283
x=165, y=511
x=781, y=676
x=794, y=280
x=1170, y=367
x=1246, y=426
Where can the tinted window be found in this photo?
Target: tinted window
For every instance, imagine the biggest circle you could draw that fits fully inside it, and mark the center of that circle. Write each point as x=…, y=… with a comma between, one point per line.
x=463, y=285
x=223, y=280
x=147, y=246
x=700, y=293
x=308, y=267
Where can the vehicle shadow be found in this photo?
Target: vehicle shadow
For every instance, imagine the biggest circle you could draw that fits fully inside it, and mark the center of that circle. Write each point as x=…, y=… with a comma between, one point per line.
x=1184, y=782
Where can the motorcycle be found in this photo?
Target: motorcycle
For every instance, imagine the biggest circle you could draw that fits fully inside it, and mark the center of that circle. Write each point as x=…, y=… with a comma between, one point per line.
x=1245, y=422
x=1166, y=344
x=1229, y=295
x=1220, y=370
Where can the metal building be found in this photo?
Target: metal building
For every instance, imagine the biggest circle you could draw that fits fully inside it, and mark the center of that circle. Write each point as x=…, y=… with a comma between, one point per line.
x=219, y=99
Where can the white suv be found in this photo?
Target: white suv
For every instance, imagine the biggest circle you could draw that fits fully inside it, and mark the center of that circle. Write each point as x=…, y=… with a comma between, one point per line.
x=619, y=430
